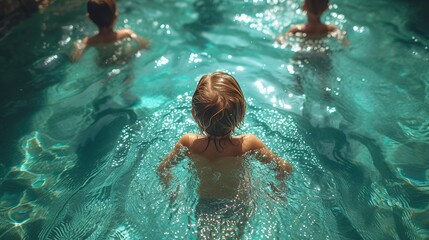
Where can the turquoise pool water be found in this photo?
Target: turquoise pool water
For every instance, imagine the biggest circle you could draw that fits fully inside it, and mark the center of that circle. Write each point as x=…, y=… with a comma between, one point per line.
x=80, y=143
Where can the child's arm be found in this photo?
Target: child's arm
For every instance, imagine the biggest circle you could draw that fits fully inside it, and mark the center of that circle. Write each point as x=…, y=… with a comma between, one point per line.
x=263, y=154
x=341, y=36
x=142, y=42
x=173, y=158
x=284, y=37
x=78, y=49
x=338, y=34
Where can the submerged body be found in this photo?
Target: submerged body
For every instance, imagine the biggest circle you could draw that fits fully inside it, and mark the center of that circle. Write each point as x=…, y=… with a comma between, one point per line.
x=221, y=178
x=224, y=203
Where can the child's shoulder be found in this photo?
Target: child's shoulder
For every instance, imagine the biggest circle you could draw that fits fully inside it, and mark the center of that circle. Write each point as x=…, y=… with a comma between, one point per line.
x=125, y=33
x=93, y=40
x=251, y=142
x=331, y=28
x=298, y=28
x=118, y=35
x=189, y=138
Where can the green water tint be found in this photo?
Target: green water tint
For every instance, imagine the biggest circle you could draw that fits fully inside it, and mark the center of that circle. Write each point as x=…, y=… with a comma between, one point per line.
x=76, y=164
x=125, y=196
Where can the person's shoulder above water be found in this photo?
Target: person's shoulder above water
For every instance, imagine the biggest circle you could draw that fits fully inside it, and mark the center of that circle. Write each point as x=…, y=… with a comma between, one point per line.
x=251, y=142
x=313, y=33
x=305, y=30
x=187, y=139
x=115, y=36
x=196, y=142
x=128, y=33
x=312, y=30
x=106, y=39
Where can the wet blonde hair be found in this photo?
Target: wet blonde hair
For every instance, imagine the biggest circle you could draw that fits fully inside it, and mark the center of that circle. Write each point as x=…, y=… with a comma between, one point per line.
x=218, y=104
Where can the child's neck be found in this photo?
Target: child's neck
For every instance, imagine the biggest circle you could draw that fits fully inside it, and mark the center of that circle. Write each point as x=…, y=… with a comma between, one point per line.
x=228, y=136
x=314, y=20
x=105, y=30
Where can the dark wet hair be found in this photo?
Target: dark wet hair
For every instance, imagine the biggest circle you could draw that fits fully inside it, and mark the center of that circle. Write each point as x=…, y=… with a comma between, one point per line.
x=218, y=104
x=101, y=12
x=316, y=6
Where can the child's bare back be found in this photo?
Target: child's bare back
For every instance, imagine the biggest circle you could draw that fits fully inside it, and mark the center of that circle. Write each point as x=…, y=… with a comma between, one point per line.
x=112, y=48
x=316, y=31
x=223, y=174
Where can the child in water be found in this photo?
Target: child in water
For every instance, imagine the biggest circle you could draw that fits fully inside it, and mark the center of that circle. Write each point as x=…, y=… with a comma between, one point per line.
x=314, y=28
x=108, y=42
x=218, y=107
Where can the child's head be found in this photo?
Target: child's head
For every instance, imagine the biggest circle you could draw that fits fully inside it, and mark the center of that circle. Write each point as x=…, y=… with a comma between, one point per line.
x=316, y=7
x=102, y=12
x=218, y=104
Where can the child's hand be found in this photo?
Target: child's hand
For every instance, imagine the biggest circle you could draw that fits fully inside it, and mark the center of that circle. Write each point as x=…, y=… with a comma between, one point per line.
x=284, y=169
x=279, y=192
x=281, y=39
x=341, y=36
x=174, y=195
x=281, y=188
x=166, y=178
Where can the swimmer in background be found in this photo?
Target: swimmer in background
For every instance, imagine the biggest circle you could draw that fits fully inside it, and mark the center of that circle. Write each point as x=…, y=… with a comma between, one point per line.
x=312, y=63
x=218, y=107
x=314, y=29
x=108, y=42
